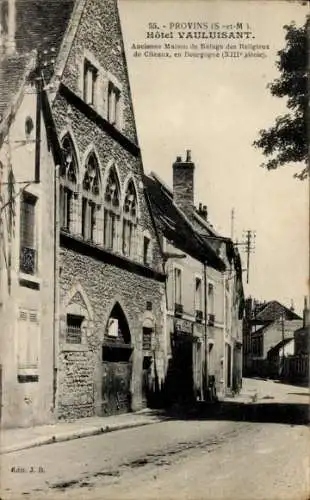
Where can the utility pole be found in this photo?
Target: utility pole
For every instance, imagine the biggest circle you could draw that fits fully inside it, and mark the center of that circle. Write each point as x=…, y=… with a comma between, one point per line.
x=249, y=246
x=283, y=352
x=232, y=224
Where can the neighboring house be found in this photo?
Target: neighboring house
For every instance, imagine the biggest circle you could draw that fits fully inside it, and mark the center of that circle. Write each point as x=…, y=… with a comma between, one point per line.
x=27, y=247
x=99, y=325
x=267, y=328
x=203, y=292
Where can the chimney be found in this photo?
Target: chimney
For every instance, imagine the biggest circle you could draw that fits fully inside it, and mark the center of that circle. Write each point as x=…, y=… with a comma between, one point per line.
x=306, y=314
x=203, y=211
x=7, y=26
x=183, y=182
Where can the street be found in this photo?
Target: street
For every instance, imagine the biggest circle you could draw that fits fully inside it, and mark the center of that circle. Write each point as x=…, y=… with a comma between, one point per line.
x=258, y=450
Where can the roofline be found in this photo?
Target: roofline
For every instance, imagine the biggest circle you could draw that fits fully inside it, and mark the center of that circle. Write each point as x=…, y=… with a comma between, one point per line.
x=17, y=99
x=208, y=226
x=282, y=305
x=183, y=215
x=66, y=44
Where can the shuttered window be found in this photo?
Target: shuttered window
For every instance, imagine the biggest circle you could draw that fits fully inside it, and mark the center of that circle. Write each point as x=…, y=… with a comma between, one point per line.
x=28, y=345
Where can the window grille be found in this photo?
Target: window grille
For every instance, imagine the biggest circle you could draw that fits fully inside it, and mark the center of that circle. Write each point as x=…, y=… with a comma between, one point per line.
x=74, y=329
x=28, y=251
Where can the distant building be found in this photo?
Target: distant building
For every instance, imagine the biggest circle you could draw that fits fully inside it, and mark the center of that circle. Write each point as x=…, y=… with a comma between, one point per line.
x=268, y=331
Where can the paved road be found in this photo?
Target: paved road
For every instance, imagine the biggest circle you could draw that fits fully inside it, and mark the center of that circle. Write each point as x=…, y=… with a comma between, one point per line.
x=257, y=451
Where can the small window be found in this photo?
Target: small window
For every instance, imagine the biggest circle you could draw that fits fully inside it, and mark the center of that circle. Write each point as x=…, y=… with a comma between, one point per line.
x=177, y=286
x=211, y=298
x=147, y=338
x=146, y=250
x=198, y=294
x=112, y=327
x=114, y=96
x=28, y=243
x=90, y=83
x=74, y=329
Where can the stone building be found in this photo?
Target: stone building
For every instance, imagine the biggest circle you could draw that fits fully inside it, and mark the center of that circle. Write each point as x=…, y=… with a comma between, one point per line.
x=101, y=328
x=204, y=293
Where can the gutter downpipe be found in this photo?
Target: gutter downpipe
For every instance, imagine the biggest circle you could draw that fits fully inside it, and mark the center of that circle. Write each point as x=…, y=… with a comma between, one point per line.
x=56, y=286
x=206, y=391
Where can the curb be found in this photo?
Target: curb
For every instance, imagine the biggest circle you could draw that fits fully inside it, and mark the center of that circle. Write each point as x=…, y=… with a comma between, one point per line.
x=69, y=436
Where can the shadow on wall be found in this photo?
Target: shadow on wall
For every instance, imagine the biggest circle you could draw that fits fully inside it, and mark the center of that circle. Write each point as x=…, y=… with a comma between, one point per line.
x=176, y=389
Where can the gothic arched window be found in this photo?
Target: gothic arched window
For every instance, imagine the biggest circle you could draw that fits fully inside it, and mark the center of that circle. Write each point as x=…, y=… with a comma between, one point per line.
x=129, y=219
x=90, y=197
x=68, y=183
x=111, y=210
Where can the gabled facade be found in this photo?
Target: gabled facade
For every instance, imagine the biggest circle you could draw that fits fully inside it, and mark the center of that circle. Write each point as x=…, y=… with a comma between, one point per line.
x=203, y=303
x=111, y=281
x=27, y=248
x=105, y=309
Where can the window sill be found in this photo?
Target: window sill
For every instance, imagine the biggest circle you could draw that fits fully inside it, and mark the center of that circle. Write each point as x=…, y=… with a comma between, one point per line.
x=27, y=375
x=29, y=281
x=74, y=347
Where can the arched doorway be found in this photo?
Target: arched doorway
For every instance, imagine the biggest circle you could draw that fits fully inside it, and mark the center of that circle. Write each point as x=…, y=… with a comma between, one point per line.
x=116, y=364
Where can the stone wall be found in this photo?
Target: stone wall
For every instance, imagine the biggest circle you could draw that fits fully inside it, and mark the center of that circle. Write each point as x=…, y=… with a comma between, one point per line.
x=80, y=371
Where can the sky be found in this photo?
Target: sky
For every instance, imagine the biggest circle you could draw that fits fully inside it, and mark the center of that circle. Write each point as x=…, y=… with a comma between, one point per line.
x=215, y=107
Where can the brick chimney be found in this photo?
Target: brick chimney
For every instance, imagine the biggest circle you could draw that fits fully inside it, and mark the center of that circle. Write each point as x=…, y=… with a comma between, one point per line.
x=183, y=182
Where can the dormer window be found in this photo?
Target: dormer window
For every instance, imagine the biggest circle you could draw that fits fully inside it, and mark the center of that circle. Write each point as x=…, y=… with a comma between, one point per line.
x=90, y=83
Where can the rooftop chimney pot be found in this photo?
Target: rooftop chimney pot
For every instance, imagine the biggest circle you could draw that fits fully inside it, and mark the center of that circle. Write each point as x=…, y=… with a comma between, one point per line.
x=188, y=155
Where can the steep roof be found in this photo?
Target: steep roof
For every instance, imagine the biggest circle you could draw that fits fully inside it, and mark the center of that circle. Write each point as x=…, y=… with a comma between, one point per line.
x=40, y=25
x=174, y=225
x=273, y=310
x=15, y=71
x=12, y=70
x=40, y=28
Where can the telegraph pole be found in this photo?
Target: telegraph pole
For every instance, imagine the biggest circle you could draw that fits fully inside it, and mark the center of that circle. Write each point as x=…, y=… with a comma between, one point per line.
x=249, y=246
x=232, y=224
x=283, y=351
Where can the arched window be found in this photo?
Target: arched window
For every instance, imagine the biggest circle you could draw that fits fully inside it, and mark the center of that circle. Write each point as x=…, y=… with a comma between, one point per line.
x=129, y=220
x=90, y=197
x=68, y=183
x=111, y=210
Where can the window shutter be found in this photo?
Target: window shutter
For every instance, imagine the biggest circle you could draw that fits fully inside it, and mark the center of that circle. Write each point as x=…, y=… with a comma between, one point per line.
x=28, y=339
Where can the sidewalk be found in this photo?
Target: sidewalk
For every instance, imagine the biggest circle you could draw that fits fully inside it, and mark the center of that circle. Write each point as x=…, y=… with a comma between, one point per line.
x=29, y=437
